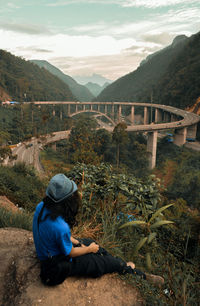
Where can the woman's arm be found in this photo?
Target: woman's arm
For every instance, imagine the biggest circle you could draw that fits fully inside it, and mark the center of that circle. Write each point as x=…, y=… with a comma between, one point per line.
x=92, y=248
x=74, y=241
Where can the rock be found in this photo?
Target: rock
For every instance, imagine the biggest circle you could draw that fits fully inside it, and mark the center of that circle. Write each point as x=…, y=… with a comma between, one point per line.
x=6, y=203
x=20, y=283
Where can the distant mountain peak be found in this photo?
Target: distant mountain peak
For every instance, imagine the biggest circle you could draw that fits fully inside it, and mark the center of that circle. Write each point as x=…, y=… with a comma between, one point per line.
x=93, y=78
x=178, y=39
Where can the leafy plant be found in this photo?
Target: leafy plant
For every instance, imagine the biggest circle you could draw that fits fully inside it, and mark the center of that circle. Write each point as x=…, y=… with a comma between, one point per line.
x=148, y=227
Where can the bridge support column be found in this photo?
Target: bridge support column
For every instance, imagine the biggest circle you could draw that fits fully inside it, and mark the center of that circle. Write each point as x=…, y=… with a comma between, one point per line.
x=54, y=112
x=113, y=111
x=158, y=115
x=76, y=108
x=68, y=109
x=119, y=112
x=180, y=136
x=192, y=131
x=106, y=109
x=145, y=115
x=61, y=115
x=53, y=146
x=84, y=107
x=173, y=117
x=166, y=117
x=98, y=107
x=132, y=114
x=151, y=148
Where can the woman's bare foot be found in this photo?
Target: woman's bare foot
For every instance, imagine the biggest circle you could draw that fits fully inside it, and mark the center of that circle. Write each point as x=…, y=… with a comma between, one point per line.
x=155, y=279
x=130, y=264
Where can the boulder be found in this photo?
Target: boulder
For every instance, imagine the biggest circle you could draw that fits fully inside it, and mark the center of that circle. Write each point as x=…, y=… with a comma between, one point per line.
x=20, y=283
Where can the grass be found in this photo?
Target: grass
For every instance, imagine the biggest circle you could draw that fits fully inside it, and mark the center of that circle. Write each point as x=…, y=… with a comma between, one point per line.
x=19, y=219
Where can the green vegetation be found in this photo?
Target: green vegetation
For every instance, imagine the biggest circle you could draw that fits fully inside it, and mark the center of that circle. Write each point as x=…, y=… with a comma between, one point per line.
x=21, y=122
x=91, y=146
x=79, y=91
x=18, y=219
x=110, y=200
x=180, y=168
x=24, y=81
x=21, y=185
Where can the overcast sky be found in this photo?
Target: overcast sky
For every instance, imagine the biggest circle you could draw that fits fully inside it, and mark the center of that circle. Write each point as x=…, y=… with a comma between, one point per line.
x=82, y=37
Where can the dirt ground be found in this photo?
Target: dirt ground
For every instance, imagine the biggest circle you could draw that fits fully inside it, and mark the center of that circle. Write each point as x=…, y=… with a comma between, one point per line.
x=20, y=283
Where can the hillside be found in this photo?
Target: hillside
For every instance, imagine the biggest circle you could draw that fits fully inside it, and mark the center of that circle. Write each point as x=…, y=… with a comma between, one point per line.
x=172, y=74
x=79, y=91
x=22, y=80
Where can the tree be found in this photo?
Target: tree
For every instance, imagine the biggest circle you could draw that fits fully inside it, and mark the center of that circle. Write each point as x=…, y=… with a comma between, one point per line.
x=82, y=141
x=120, y=137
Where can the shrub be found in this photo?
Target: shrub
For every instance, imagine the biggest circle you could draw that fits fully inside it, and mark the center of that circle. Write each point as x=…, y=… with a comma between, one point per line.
x=19, y=219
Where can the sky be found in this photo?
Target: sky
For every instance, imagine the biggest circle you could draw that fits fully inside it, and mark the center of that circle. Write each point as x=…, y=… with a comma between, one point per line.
x=83, y=37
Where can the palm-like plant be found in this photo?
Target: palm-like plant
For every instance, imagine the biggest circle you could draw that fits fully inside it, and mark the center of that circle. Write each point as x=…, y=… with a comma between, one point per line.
x=153, y=223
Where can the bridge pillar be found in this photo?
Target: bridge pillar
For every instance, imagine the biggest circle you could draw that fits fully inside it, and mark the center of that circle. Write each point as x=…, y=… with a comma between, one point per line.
x=173, y=117
x=76, y=108
x=145, y=115
x=84, y=107
x=98, y=107
x=68, y=109
x=54, y=112
x=113, y=111
x=53, y=146
x=106, y=109
x=152, y=147
x=180, y=136
x=158, y=115
x=132, y=114
x=166, y=117
x=61, y=115
x=91, y=106
x=192, y=131
x=119, y=112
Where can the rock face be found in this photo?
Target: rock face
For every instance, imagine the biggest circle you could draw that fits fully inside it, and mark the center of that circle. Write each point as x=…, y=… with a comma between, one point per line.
x=20, y=283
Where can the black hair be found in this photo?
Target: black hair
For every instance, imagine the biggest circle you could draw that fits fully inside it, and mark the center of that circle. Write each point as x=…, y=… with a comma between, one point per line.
x=67, y=208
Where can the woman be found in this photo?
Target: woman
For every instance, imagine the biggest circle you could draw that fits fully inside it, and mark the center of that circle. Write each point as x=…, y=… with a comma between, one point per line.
x=60, y=254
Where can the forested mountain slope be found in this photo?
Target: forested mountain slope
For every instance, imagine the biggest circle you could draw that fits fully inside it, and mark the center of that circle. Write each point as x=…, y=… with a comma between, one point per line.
x=79, y=91
x=22, y=80
x=172, y=74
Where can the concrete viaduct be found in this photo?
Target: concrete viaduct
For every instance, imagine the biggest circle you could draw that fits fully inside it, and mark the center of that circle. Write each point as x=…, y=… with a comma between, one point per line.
x=156, y=118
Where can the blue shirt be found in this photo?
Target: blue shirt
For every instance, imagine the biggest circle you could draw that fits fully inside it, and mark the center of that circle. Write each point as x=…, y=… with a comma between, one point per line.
x=54, y=237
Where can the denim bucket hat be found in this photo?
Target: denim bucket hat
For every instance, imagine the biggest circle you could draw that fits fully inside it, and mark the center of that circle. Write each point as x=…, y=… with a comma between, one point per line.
x=60, y=187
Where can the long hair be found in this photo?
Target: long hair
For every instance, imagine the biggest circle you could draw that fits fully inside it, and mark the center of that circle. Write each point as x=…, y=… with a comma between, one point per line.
x=67, y=209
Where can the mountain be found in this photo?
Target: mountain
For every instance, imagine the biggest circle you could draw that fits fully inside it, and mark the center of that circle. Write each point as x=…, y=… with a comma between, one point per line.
x=79, y=91
x=171, y=74
x=94, y=78
x=95, y=89
x=20, y=80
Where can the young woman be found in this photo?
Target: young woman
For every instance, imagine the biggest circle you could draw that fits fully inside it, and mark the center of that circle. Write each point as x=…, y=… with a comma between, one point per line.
x=60, y=254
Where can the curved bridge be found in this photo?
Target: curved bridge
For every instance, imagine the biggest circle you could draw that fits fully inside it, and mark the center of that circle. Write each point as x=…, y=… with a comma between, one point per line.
x=92, y=111
x=155, y=118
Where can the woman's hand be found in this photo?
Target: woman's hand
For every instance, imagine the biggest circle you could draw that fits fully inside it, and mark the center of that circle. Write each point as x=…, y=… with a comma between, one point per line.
x=79, y=251
x=93, y=247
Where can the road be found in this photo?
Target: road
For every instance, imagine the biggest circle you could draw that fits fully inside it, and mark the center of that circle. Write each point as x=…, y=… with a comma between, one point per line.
x=28, y=152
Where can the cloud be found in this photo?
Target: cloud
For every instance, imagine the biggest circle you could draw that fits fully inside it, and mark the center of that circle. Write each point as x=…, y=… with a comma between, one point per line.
x=33, y=49
x=161, y=38
x=128, y=3
x=110, y=66
x=156, y=3
x=31, y=29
